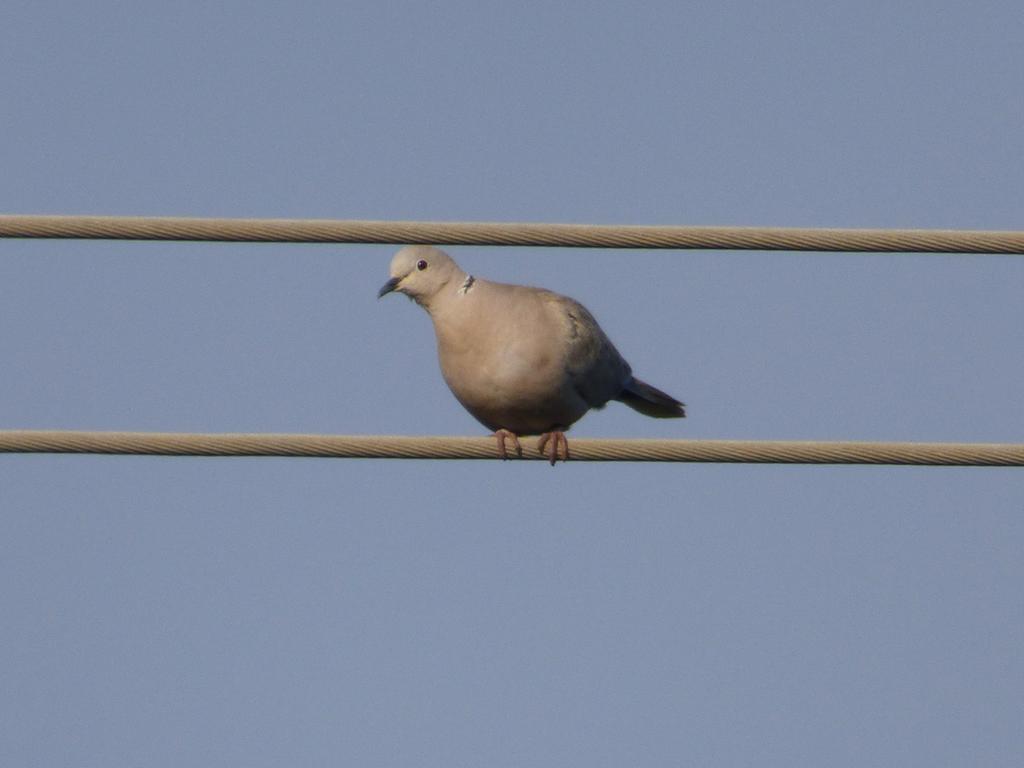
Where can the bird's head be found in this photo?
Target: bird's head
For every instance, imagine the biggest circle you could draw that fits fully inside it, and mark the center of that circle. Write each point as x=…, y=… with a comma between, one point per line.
x=420, y=272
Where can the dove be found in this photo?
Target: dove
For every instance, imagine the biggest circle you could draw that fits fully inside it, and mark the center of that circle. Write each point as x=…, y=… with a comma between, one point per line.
x=522, y=360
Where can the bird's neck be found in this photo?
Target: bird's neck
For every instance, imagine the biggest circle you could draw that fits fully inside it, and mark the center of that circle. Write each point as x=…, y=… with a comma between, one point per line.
x=447, y=296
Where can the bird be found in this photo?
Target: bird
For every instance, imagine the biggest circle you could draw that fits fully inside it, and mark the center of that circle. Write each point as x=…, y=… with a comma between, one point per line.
x=523, y=361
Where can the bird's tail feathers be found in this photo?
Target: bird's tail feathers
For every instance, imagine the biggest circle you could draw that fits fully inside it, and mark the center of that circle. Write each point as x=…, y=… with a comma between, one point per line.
x=651, y=401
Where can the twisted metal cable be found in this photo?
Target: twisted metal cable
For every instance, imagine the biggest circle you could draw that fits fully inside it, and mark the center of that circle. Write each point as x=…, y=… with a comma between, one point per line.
x=484, y=233
x=581, y=449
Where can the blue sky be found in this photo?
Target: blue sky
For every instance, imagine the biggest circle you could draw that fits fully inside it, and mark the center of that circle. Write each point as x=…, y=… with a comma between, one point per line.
x=267, y=611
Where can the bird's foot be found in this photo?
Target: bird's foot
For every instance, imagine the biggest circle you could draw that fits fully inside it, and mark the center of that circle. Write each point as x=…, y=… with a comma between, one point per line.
x=501, y=436
x=559, y=446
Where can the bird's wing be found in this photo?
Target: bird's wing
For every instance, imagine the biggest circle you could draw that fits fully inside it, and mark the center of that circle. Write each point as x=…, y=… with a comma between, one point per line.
x=595, y=368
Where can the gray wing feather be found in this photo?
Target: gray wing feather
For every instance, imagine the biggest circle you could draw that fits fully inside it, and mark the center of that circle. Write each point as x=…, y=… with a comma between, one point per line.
x=595, y=367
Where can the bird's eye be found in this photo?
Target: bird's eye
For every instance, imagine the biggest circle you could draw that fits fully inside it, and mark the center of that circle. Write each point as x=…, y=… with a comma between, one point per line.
x=421, y=265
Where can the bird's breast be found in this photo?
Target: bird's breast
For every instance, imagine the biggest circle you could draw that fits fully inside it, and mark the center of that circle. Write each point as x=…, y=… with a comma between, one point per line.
x=504, y=370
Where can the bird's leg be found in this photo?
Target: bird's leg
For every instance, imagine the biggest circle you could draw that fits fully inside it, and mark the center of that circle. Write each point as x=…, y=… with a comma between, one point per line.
x=559, y=444
x=501, y=435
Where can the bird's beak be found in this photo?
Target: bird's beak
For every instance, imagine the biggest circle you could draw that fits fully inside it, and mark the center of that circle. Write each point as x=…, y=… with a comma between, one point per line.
x=389, y=286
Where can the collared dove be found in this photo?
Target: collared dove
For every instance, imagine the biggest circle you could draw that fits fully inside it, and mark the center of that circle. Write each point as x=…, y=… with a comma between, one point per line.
x=521, y=360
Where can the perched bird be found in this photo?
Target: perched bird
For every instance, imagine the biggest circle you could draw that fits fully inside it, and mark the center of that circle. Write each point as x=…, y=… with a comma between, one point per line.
x=521, y=360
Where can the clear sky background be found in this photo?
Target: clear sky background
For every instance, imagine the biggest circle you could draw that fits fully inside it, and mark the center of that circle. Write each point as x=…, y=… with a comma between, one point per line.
x=264, y=612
